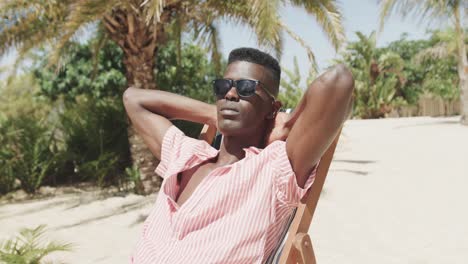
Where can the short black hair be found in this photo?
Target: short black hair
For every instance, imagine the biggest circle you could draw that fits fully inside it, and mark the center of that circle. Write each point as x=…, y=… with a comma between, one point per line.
x=258, y=57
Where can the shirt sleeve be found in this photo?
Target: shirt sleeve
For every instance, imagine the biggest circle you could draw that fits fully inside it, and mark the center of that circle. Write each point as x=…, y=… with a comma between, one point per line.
x=179, y=151
x=288, y=191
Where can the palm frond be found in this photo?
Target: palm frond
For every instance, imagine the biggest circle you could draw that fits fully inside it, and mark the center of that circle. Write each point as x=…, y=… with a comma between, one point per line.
x=425, y=10
x=310, y=53
x=27, y=247
x=328, y=15
x=33, y=24
x=445, y=45
x=83, y=14
x=28, y=27
x=152, y=10
x=100, y=42
x=439, y=51
x=265, y=18
x=207, y=36
x=391, y=62
x=214, y=46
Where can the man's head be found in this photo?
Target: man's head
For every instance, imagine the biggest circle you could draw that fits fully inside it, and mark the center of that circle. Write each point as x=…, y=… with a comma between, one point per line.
x=248, y=115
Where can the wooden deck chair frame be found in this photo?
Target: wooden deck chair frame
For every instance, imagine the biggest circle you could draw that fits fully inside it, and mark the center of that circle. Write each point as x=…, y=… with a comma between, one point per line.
x=298, y=245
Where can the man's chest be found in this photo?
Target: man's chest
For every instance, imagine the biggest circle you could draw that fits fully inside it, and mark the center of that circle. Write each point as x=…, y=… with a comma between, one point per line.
x=191, y=188
x=189, y=180
x=212, y=197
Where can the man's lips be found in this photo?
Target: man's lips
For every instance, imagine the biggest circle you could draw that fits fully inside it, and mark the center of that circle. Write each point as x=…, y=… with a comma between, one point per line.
x=229, y=111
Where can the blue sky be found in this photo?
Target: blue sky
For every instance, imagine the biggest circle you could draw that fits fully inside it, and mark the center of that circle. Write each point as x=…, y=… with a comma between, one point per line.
x=359, y=15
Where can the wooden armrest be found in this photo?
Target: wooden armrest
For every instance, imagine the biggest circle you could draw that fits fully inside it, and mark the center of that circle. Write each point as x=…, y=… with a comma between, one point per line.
x=304, y=249
x=208, y=133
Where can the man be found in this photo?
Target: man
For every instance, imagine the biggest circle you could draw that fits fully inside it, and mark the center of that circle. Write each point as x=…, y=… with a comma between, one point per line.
x=230, y=206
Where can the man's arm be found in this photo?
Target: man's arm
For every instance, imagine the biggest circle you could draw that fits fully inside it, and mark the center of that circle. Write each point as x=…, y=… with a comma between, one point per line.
x=317, y=119
x=151, y=110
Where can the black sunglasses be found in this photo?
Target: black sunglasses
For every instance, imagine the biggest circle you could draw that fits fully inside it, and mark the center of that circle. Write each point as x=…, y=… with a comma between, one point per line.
x=244, y=87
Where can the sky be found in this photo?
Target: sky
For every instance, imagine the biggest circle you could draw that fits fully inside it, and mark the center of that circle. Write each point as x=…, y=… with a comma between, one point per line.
x=358, y=15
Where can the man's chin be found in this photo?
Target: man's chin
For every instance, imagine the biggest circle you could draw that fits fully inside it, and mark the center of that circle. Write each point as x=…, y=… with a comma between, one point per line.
x=230, y=127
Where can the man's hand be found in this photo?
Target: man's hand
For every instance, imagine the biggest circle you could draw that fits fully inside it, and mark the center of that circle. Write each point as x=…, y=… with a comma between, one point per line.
x=279, y=128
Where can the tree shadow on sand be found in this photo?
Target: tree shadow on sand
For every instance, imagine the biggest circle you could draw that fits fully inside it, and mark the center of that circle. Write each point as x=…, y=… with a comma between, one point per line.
x=118, y=211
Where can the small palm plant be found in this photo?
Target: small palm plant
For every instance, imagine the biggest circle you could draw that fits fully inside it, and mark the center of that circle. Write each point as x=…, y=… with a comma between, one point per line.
x=26, y=247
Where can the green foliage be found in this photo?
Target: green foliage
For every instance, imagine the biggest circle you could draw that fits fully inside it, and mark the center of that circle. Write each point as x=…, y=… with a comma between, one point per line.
x=134, y=177
x=439, y=64
x=98, y=76
x=400, y=72
x=407, y=49
x=186, y=71
x=28, y=247
x=7, y=176
x=18, y=98
x=81, y=139
x=27, y=151
x=441, y=78
x=95, y=141
x=430, y=66
x=290, y=88
x=449, y=43
x=378, y=77
x=27, y=147
x=191, y=76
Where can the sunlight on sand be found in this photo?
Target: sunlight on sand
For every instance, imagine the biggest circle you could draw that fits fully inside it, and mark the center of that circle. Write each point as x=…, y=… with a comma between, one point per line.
x=395, y=194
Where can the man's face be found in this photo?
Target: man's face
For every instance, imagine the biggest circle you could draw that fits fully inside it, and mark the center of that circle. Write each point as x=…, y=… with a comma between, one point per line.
x=245, y=115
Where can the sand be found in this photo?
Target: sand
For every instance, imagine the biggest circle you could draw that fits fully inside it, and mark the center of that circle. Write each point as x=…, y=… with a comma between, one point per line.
x=395, y=193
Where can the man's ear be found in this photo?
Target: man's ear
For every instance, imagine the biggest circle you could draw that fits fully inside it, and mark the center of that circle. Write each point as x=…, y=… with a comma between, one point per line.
x=276, y=106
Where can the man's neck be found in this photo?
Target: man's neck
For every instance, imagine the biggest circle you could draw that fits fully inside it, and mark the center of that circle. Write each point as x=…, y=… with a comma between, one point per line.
x=232, y=148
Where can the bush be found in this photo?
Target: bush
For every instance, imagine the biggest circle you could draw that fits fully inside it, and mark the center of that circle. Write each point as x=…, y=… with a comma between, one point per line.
x=27, y=146
x=7, y=178
x=25, y=248
x=95, y=141
x=89, y=143
x=27, y=152
x=134, y=178
x=100, y=76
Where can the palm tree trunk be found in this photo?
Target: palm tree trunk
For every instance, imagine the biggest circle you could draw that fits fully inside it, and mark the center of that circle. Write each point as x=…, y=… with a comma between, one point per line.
x=139, y=43
x=462, y=66
x=139, y=73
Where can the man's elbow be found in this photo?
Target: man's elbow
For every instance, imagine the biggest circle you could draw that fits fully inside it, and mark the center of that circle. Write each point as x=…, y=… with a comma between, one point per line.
x=337, y=83
x=343, y=79
x=130, y=97
x=335, y=87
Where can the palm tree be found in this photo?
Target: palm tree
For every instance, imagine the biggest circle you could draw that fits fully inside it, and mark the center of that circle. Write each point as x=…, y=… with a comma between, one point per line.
x=139, y=27
x=438, y=10
x=291, y=90
x=377, y=76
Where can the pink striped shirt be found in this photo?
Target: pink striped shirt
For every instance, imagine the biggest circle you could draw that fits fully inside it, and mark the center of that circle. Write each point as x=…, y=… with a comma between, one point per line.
x=235, y=215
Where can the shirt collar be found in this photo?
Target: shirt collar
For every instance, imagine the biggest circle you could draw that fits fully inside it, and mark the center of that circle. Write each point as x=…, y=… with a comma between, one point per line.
x=251, y=151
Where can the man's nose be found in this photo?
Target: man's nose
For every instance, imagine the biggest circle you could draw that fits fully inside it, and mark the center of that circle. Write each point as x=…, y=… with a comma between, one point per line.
x=232, y=95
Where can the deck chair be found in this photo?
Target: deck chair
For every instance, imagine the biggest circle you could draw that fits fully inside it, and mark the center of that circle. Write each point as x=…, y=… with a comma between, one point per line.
x=296, y=245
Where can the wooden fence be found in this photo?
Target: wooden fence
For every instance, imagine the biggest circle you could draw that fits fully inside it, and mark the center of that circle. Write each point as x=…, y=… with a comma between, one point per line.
x=428, y=106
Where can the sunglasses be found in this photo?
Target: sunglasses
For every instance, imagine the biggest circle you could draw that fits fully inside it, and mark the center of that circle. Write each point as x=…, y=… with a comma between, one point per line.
x=244, y=87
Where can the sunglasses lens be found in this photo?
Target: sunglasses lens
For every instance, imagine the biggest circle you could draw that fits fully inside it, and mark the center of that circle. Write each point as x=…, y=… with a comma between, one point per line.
x=246, y=88
x=221, y=87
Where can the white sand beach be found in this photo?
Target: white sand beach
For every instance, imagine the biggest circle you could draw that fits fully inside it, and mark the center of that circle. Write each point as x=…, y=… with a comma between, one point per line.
x=396, y=193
